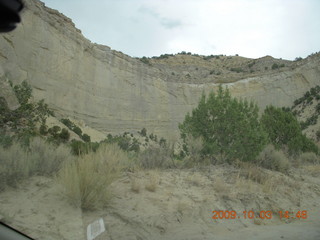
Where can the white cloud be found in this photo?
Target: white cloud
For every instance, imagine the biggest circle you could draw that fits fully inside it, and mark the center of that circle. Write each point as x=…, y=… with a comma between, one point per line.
x=281, y=28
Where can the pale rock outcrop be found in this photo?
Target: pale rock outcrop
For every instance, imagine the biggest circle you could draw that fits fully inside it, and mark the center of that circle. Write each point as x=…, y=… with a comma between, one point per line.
x=7, y=92
x=112, y=92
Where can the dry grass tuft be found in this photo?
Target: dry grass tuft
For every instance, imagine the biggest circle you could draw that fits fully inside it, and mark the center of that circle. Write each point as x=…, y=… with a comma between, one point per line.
x=41, y=158
x=309, y=157
x=194, y=179
x=314, y=170
x=271, y=185
x=194, y=158
x=47, y=158
x=153, y=182
x=252, y=172
x=87, y=179
x=272, y=159
x=14, y=165
x=155, y=157
x=246, y=185
x=135, y=185
x=220, y=186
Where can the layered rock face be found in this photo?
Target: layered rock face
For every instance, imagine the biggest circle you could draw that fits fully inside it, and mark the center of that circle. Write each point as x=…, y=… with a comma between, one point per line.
x=112, y=92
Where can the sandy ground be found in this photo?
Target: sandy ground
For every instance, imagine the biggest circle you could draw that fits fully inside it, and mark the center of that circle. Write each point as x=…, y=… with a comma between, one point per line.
x=173, y=204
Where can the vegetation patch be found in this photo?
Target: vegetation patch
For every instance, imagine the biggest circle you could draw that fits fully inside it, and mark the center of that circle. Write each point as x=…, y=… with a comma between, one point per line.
x=146, y=60
x=124, y=142
x=73, y=127
x=229, y=127
x=277, y=66
x=22, y=121
x=155, y=157
x=284, y=130
x=237, y=70
x=19, y=162
x=273, y=159
x=86, y=180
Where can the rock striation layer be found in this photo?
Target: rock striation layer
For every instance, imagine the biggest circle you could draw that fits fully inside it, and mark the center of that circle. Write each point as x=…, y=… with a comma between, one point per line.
x=112, y=92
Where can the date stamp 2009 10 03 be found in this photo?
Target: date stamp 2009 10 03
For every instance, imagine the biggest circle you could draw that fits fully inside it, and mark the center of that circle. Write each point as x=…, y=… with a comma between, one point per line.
x=226, y=214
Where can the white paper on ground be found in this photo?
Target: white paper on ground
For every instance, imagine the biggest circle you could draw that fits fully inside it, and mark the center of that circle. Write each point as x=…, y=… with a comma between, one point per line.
x=94, y=229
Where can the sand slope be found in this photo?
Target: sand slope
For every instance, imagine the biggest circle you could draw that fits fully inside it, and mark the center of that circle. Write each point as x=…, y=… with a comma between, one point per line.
x=173, y=204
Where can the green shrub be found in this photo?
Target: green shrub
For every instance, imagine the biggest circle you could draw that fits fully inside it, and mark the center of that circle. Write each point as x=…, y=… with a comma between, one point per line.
x=151, y=136
x=284, y=130
x=143, y=132
x=145, y=60
x=124, y=142
x=4, y=112
x=211, y=56
x=22, y=121
x=135, y=145
x=228, y=126
x=274, y=66
x=304, y=144
x=272, y=159
x=77, y=130
x=54, y=131
x=237, y=70
x=318, y=135
x=23, y=92
x=250, y=65
x=301, y=143
x=281, y=126
x=310, y=121
x=85, y=137
x=64, y=135
x=309, y=96
x=68, y=123
x=5, y=140
x=43, y=129
x=162, y=142
x=81, y=148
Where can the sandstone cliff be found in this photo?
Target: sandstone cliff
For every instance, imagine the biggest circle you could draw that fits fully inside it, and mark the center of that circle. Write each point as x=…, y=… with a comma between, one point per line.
x=113, y=92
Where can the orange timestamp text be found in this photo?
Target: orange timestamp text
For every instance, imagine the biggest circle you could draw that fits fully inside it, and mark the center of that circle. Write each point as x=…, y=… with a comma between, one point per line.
x=226, y=214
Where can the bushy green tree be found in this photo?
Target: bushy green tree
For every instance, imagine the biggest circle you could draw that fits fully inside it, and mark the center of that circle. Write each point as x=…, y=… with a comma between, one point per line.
x=229, y=127
x=143, y=132
x=22, y=121
x=23, y=92
x=124, y=142
x=281, y=125
x=64, y=135
x=86, y=137
x=79, y=148
x=284, y=130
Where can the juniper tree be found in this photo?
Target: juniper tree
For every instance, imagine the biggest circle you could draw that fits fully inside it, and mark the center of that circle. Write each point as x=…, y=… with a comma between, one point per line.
x=229, y=126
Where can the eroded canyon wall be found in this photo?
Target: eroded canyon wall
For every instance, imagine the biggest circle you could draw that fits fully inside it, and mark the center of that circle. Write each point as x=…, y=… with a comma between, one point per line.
x=113, y=92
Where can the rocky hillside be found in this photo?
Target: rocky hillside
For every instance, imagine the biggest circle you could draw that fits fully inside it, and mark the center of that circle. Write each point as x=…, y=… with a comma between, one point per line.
x=114, y=93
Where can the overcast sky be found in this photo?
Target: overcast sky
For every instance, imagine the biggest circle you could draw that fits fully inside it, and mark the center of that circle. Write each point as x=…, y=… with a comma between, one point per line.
x=251, y=28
